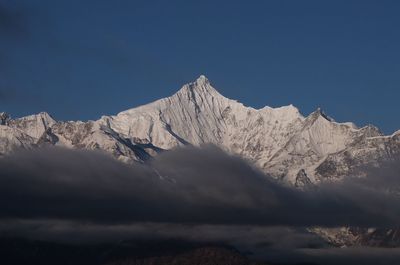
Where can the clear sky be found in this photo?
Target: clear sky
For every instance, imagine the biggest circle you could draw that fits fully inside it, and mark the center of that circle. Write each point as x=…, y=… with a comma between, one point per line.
x=81, y=59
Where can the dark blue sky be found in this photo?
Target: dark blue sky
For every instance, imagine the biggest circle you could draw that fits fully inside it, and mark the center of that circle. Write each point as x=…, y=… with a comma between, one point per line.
x=81, y=59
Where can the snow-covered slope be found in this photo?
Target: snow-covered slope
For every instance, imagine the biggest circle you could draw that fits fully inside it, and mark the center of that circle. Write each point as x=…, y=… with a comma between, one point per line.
x=33, y=125
x=198, y=114
x=11, y=138
x=281, y=141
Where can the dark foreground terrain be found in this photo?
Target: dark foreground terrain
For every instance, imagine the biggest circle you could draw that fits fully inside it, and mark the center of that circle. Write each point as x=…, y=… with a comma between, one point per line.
x=21, y=252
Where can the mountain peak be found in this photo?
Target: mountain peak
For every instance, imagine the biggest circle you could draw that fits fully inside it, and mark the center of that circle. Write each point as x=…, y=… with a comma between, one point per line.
x=320, y=113
x=43, y=116
x=201, y=82
x=202, y=79
x=200, y=87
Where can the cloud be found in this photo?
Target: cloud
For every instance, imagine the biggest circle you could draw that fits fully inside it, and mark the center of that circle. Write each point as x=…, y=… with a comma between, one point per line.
x=334, y=256
x=276, y=245
x=184, y=186
x=190, y=194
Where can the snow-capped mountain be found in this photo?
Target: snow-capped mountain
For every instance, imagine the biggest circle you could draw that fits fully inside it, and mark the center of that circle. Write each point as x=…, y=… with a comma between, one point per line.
x=280, y=141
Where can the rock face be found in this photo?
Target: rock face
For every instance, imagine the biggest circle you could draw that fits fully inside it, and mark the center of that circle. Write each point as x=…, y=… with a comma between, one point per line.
x=351, y=236
x=280, y=141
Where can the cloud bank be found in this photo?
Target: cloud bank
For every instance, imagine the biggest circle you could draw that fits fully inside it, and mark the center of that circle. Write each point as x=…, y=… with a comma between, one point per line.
x=195, y=194
x=186, y=186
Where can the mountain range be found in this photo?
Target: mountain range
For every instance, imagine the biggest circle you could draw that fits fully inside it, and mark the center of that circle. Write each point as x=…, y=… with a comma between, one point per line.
x=296, y=149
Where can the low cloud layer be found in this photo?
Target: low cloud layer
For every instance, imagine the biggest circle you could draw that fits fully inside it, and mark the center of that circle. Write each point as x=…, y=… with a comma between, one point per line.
x=185, y=186
x=194, y=194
